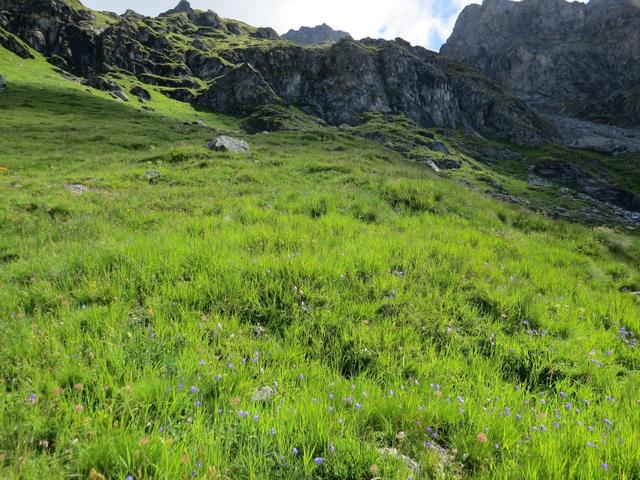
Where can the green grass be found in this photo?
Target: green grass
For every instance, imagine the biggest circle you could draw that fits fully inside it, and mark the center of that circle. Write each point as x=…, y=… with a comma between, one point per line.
x=386, y=306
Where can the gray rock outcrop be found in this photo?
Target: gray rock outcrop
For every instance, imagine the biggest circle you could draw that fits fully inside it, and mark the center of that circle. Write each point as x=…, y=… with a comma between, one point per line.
x=315, y=35
x=573, y=59
x=241, y=91
x=340, y=83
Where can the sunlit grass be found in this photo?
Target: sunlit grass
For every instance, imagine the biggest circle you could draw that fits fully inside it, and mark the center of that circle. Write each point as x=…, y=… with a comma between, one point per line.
x=384, y=306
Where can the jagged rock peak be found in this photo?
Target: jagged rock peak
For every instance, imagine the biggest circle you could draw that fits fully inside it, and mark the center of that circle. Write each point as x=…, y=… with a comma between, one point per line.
x=183, y=7
x=315, y=35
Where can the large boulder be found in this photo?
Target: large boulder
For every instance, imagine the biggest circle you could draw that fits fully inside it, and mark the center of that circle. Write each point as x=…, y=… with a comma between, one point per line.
x=241, y=91
x=228, y=144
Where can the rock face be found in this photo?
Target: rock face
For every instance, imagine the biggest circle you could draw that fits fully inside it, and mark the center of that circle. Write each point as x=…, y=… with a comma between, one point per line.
x=340, y=83
x=56, y=29
x=11, y=42
x=315, y=35
x=573, y=59
x=595, y=136
x=241, y=91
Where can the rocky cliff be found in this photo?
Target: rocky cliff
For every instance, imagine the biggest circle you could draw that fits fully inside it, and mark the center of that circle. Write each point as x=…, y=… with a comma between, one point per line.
x=315, y=35
x=571, y=59
x=229, y=66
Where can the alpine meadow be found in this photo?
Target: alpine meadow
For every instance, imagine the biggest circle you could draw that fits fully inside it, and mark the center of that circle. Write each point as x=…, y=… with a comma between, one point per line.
x=230, y=254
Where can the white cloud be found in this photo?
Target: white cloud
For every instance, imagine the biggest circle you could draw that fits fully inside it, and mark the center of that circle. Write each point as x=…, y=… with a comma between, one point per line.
x=421, y=22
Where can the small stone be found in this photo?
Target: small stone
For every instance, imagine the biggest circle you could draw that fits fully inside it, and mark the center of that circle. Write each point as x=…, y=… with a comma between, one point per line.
x=153, y=176
x=432, y=164
x=409, y=462
x=119, y=95
x=3, y=83
x=76, y=188
x=263, y=394
x=228, y=144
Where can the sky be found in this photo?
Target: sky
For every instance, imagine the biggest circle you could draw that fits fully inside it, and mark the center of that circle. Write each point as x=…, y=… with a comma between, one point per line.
x=421, y=22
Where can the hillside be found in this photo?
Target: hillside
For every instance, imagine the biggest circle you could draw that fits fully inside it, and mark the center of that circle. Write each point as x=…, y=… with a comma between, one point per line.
x=151, y=287
x=384, y=299
x=186, y=51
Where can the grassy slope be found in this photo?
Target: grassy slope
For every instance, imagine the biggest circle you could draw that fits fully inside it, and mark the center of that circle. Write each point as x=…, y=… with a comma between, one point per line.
x=441, y=313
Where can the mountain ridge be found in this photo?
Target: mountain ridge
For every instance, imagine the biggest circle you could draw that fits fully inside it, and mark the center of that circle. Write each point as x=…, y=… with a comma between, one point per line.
x=315, y=35
x=184, y=50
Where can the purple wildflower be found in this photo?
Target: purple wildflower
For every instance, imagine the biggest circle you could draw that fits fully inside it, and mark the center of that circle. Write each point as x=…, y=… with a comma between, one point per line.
x=319, y=461
x=295, y=452
x=194, y=390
